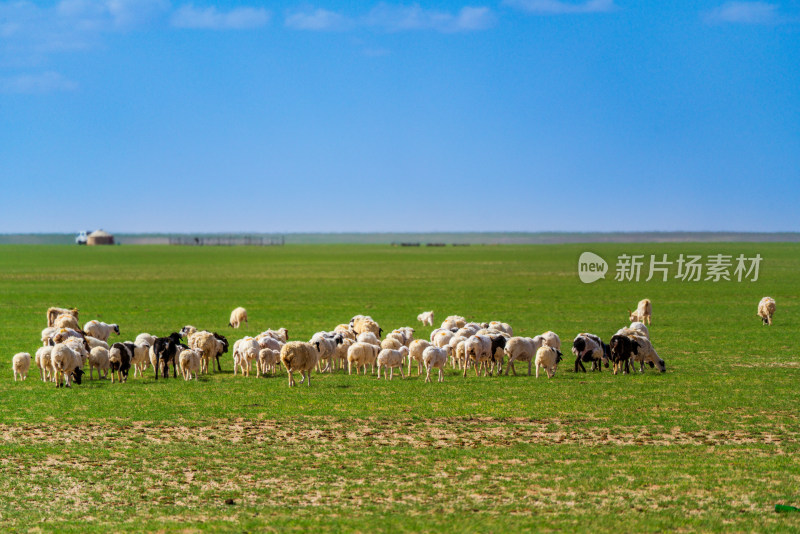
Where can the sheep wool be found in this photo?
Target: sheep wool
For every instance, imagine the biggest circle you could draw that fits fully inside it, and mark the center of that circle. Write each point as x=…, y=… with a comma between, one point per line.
x=426, y=318
x=547, y=357
x=299, y=356
x=238, y=316
x=766, y=309
x=20, y=364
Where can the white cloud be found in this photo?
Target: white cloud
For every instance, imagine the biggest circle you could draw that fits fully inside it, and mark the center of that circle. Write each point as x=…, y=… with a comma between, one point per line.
x=395, y=18
x=744, y=13
x=558, y=7
x=210, y=18
x=318, y=19
x=46, y=82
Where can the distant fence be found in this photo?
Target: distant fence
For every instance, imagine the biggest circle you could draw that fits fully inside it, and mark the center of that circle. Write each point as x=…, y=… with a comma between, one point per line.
x=228, y=240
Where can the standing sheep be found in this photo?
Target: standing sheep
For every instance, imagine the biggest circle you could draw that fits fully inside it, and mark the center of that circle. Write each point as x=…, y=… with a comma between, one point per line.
x=365, y=323
x=521, y=349
x=435, y=358
x=415, y=352
x=66, y=364
x=237, y=316
x=98, y=358
x=299, y=356
x=643, y=311
x=100, y=330
x=478, y=349
x=361, y=354
x=43, y=362
x=20, y=364
x=391, y=359
x=66, y=320
x=245, y=351
x=548, y=358
x=426, y=318
x=119, y=359
x=267, y=361
x=766, y=309
x=189, y=361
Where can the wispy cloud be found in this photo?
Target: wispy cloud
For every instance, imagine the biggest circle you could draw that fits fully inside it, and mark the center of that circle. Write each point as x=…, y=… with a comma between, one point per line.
x=396, y=18
x=211, y=18
x=557, y=7
x=744, y=13
x=46, y=82
x=318, y=20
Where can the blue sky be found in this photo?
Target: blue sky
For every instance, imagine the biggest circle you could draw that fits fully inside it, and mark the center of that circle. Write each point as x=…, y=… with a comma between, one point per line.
x=509, y=115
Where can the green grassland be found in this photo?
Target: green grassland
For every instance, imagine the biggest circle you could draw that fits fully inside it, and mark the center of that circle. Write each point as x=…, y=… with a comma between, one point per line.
x=711, y=445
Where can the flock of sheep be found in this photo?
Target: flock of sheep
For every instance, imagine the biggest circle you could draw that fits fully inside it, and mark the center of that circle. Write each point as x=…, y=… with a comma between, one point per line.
x=67, y=349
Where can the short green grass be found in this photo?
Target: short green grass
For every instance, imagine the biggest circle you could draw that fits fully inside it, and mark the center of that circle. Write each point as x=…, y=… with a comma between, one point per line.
x=711, y=445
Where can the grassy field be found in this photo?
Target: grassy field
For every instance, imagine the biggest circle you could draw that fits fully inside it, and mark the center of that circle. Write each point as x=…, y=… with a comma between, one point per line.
x=711, y=445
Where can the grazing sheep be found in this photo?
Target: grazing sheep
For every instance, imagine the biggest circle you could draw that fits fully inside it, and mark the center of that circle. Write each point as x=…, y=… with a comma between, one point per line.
x=766, y=309
x=549, y=337
x=346, y=331
x=391, y=343
x=478, y=350
x=42, y=359
x=547, y=357
x=426, y=318
x=502, y=327
x=98, y=359
x=211, y=346
x=119, y=359
x=267, y=361
x=63, y=334
x=66, y=320
x=360, y=355
x=47, y=335
x=415, y=351
x=100, y=330
x=623, y=348
x=497, y=352
x=66, y=364
x=442, y=338
x=365, y=323
x=237, y=316
x=281, y=334
x=404, y=335
x=646, y=353
x=92, y=342
x=140, y=360
x=79, y=346
x=21, y=364
x=245, y=350
x=640, y=328
x=589, y=348
x=454, y=321
x=189, y=361
x=53, y=313
x=269, y=342
x=326, y=345
x=391, y=359
x=369, y=337
x=455, y=362
x=521, y=349
x=165, y=351
x=435, y=358
x=340, y=358
x=643, y=311
x=144, y=337
x=299, y=356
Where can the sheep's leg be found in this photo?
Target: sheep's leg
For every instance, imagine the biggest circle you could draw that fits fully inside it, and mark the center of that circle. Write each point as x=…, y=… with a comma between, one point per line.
x=428, y=375
x=391, y=372
x=308, y=375
x=400, y=370
x=441, y=375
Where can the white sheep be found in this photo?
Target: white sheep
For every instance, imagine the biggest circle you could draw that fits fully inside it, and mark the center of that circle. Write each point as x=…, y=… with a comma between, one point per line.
x=299, y=356
x=42, y=359
x=405, y=335
x=326, y=346
x=346, y=331
x=93, y=342
x=435, y=358
x=415, y=351
x=189, y=361
x=365, y=323
x=442, y=338
x=521, y=349
x=391, y=343
x=340, y=358
x=281, y=334
x=47, y=335
x=640, y=328
x=454, y=342
x=67, y=365
x=267, y=361
x=766, y=309
x=360, y=355
x=66, y=320
x=547, y=357
x=454, y=321
x=144, y=337
x=209, y=346
x=53, y=313
x=426, y=318
x=99, y=359
x=502, y=327
x=643, y=311
x=245, y=350
x=79, y=346
x=369, y=337
x=140, y=359
x=100, y=330
x=549, y=337
x=237, y=316
x=478, y=350
x=391, y=359
x=20, y=364
x=646, y=353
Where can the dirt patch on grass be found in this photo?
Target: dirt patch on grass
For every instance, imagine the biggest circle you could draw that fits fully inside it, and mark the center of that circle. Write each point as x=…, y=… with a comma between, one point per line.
x=435, y=433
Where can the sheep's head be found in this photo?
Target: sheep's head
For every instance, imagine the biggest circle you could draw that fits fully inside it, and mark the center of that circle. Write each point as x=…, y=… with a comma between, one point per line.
x=559, y=356
x=77, y=375
x=578, y=346
x=116, y=328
